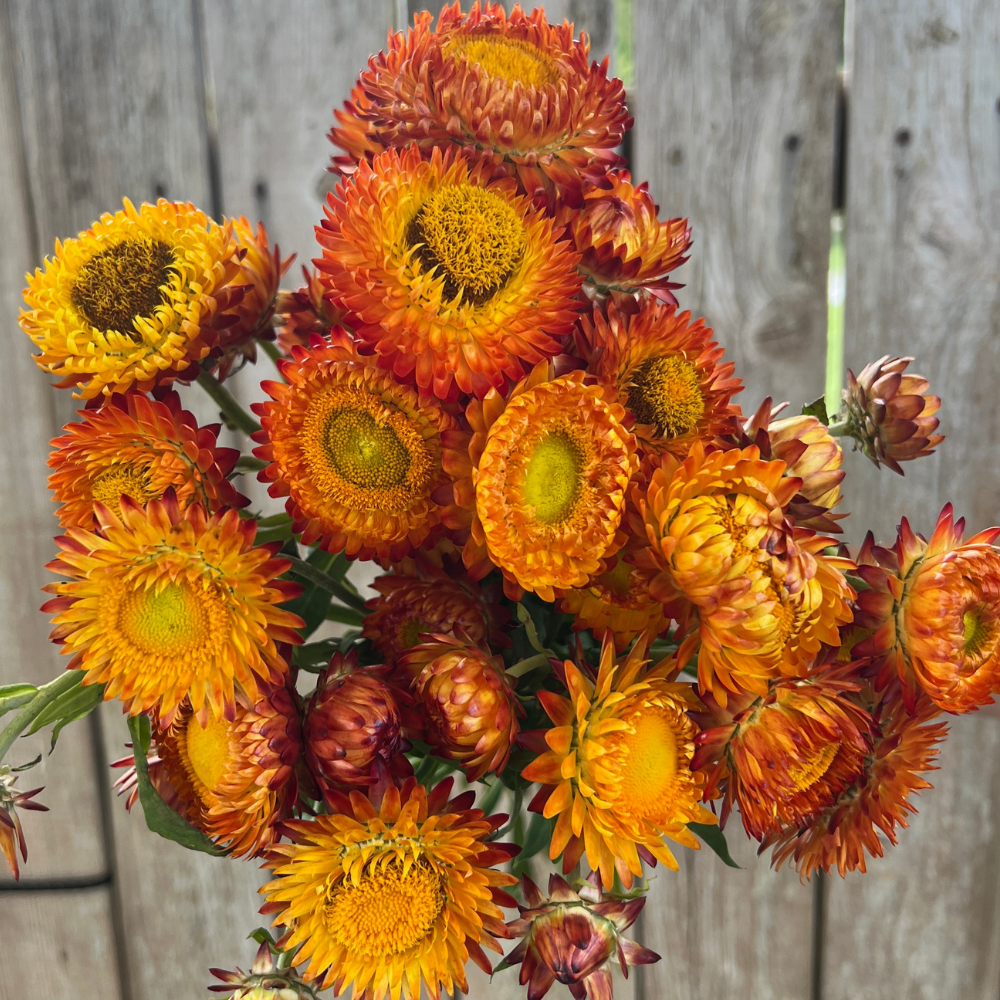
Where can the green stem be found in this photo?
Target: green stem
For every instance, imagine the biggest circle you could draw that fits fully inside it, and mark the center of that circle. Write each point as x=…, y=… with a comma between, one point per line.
x=839, y=427
x=227, y=403
x=46, y=693
x=523, y=667
x=343, y=593
x=270, y=348
x=251, y=464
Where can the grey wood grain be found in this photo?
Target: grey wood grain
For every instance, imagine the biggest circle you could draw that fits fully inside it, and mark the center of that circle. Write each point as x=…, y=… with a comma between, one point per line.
x=67, y=839
x=734, y=106
x=923, y=242
x=922, y=923
x=923, y=254
x=722, y=933
x=57, y=945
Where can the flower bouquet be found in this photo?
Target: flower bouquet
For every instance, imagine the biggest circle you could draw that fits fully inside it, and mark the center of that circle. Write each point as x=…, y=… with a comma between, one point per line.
x=611, y=603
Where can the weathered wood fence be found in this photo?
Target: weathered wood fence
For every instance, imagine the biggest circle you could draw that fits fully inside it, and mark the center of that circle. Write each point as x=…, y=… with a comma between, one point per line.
x=226, y=102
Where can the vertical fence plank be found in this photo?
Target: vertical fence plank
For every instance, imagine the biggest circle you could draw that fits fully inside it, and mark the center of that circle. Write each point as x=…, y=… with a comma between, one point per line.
x=57, y=945
x=734, y=108
x=923, y=254
x=734, y=112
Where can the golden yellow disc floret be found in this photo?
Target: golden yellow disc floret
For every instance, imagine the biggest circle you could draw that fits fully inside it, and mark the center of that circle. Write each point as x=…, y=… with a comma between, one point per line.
x=122, y=480
x=473, y=235
x=666, y=392
x=512, y=59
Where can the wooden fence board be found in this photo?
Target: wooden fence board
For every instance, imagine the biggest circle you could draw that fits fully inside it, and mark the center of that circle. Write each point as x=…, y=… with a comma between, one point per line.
x=722, y=933
x=66, y=840
x=58, y=945
x=734, y=107
x=923, y=255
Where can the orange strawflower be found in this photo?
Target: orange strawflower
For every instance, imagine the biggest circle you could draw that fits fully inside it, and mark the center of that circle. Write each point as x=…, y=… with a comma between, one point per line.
x=811, y=454
x=137, y=447
x=466, y=700
x=512, y=89
x=934, y=607
x=543, y=485
x=758, y=596
x=135, y=300
x=379, y=898
x=408, y=607
x=668, y=373
x=446, y=272
x=11, y=835
x=785, y=756
x=623, y=246
x=166, y=604
x=617, y=767
x=261, y=271
x=358, y=454
x=232, y=779
x=304, y=313
x=877, y=802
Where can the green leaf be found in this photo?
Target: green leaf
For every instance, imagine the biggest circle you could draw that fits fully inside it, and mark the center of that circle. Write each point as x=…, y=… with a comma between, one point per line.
x=15, y=695
x=310, y=571
x=346, y=616
x=488, y=802
x=160, y=818
x=314, y=602
x=524, y=617
x=536, y=838
x=76, y=703
x=711, y=835
x=817, y=409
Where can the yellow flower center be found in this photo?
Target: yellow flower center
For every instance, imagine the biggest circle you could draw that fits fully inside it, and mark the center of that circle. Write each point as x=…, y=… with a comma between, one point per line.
x=553, y=478
x=409, y=632
x=122, y=481
x=809, y=768
x=363, y=452
x=387, y=912
x=206, y=752
x=123, y=283
x=472, y=236
x=649, y=763
x=174, y=621
x=508, y=58
x=666, y=392
x=616, y=584
x=981, y=634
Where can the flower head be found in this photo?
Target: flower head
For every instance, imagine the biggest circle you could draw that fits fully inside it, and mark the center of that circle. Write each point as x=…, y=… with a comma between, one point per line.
x=759, y=597
x=786, y=756
x=382, y=898
x=618, y=766
x=265, y=981
x=810, y=453
x=512, y=89
x=137, y=447
x=304, y=313
x=233, y=780
x=357, y=454
x=545, y=482
x=876, y=803
x=668, y=373
x=135, y=299
x=467, y=702
x=934, y=607
x=573, y=938
x=624, y=247
x=352, y=720
x=446, y=273
x=11, y=834
x=408, y=607
x=261, y=271
x=890, y=414
x=165, y=604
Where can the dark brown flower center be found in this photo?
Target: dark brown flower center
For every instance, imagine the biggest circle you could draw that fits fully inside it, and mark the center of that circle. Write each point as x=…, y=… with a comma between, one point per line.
x=123, y=283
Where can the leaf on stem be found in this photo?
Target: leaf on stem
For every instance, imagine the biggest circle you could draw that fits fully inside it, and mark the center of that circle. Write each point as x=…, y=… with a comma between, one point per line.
x=711, y=835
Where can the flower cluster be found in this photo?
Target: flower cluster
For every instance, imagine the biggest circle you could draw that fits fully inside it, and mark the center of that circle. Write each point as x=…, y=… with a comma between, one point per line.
x=608, y=596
